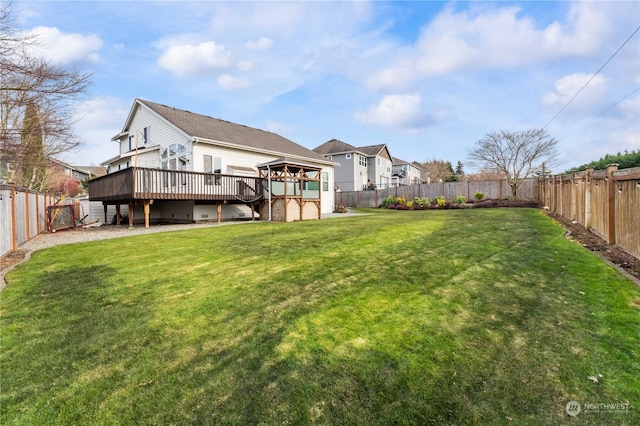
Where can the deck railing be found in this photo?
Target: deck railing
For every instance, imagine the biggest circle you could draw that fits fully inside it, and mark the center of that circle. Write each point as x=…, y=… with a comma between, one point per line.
x=136, y=183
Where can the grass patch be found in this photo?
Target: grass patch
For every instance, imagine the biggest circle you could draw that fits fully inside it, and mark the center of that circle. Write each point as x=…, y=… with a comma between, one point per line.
x=443, y=317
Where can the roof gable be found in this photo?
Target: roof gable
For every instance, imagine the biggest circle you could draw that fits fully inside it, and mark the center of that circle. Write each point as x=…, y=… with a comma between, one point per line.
x=216, y=130
x=334, y=146
x=379, y=150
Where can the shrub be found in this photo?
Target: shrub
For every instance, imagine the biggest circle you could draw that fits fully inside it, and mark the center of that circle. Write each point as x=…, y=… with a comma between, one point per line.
x=460, y=199
x=478, y=196
x=423, y=202
x=441, y=201
x=409, y=204
x=400, y=201
x=388, y=201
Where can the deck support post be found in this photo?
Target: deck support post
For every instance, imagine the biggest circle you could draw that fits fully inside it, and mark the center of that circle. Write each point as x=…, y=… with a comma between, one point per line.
x=146, y=213
x=131, y=207
x=219, y=213
x=104, y=207
x=118, y=216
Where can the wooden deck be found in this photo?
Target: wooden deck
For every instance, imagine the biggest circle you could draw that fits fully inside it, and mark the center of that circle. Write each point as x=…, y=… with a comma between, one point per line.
x=137, y=183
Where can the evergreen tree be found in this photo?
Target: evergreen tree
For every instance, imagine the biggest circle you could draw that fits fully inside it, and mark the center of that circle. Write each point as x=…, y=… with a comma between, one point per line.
x=32, y=172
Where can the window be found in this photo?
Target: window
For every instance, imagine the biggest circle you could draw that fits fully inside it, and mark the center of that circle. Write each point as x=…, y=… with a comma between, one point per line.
x=379, y=163
x=217, y=169
x=325, y=181
x=329, y=157
x=131, y=143
x=146, y=135
x=208, y=168
x=348, y=156
x=362, y=160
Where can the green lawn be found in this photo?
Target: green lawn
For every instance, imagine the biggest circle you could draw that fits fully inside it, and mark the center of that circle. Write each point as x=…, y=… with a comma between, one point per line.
x=485, y=316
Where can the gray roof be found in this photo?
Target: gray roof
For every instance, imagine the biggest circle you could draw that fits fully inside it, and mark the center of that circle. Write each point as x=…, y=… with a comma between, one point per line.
x=214, y=129
x=334, y=146
x=397, y=162
x=372, y=150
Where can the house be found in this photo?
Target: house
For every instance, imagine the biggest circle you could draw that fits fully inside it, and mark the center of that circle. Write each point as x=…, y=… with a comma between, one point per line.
x=61, y=177
x=405, y=173
x=78, y=173
x=358, y=165
x=177, y=166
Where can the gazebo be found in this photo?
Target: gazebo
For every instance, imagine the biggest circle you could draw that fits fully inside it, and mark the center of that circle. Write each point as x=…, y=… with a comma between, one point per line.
x=292, y=191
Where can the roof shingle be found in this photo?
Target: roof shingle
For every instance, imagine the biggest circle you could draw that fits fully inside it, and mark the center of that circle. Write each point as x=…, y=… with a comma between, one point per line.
x=205, y=127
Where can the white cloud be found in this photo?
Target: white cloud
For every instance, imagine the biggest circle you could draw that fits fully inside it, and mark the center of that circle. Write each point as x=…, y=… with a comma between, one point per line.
x=64, y=49
x=230, y=82
x=97, y=121
x=187, y=59
x=593, y=97
x=485, y=37
x=398, y=111
x=261, y=44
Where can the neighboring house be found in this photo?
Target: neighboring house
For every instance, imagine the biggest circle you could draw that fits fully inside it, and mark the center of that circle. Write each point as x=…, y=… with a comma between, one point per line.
x=405, y=173
x=358, y=165
x=78, y=173
x=58, y=173
x=193, y=167
x=424, y=174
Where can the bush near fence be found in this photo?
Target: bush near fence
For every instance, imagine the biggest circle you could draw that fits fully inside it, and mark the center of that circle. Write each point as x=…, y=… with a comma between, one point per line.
x=607, y=202
x=492, y=189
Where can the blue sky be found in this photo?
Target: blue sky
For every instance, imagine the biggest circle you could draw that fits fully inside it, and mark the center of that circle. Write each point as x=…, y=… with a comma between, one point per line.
x=427, y=78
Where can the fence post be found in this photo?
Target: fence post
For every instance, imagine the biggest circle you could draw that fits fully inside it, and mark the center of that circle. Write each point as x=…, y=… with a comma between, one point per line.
x=573, y=193
x=611, y=204
x=37, y=213
x=14, y=243
x=587, y=198
x=27, y=216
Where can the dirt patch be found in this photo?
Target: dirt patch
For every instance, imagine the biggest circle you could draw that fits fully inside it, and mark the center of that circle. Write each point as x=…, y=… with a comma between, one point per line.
x=594, y=243
x=11, y=259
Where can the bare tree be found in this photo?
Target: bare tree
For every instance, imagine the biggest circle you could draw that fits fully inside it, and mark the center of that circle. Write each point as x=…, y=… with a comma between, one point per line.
x=517, y=155
x=30, y=84
x=437, y=170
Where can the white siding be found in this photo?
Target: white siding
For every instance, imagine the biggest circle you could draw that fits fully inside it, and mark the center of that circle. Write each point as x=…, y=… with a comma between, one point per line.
x=162, y=134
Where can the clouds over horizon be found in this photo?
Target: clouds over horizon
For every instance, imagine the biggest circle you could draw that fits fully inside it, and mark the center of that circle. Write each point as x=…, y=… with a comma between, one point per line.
x=491, y=37
x=397, y=111
x=419, y=74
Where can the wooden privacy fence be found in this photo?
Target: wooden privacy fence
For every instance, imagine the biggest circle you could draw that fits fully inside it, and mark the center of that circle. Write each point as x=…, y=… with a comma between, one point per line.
x=492, y=189
x=606, y=202
x=23, y=215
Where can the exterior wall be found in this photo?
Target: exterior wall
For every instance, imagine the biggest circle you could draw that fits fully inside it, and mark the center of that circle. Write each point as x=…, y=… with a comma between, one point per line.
x=236, y=157
x=209, y=212
x=161, y=134
x=410, y=172
x=380, y=170
x=350, y=176
x=344, y=175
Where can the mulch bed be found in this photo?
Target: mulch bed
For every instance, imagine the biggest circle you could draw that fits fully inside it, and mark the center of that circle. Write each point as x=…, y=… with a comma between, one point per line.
x=597, y=245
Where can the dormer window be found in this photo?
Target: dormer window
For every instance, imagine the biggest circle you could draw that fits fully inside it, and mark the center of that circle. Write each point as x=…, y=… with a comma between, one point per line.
x=348, y=156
